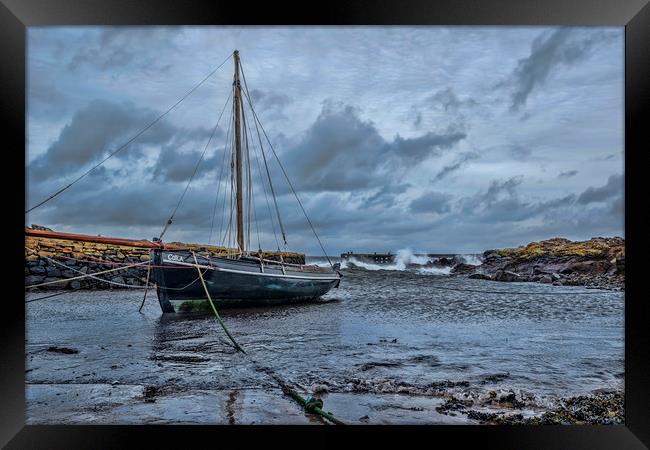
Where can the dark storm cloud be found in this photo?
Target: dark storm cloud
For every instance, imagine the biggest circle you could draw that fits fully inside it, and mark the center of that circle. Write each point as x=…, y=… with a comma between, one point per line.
x=357, y=171
x=101, y=127
x=341, y=152
x=461, y=161
x=141, y=204
x=613, y=188
x=431, y=201
x=502, y=203
x=91, y=133
x=385, y=197
x=174, y=166
x=567, y=174
x=550, y=50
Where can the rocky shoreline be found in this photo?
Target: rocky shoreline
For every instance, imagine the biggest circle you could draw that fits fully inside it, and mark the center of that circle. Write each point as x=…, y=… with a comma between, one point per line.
x=495, y=407
x=504, y=408
x=596, y=263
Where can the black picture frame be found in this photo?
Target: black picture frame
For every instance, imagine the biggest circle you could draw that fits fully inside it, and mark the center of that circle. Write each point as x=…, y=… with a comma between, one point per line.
x=634, y=15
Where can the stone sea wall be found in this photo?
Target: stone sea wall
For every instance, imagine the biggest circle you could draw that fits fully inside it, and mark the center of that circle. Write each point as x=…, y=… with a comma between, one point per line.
x=88, y=257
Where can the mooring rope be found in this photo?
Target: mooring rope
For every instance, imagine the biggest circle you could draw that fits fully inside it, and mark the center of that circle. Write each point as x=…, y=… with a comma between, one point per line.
x=114, y=282
x=45, y=297
x=207, y=293
x=146, y=286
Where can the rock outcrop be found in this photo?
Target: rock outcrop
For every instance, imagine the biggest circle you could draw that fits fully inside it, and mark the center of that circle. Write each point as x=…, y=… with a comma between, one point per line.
x=598, y=262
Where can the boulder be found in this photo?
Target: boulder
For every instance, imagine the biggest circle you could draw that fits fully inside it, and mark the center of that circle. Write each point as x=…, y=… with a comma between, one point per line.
x=33, y=279
x=546, y=279
x=463, y=268
x=53, y=272
x=37, y=270
x=443, y=261
x=480, y=276
x=582, y=266
x=506, y=275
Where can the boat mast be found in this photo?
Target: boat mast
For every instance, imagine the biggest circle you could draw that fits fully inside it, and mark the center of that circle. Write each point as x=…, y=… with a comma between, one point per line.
x=238, y=157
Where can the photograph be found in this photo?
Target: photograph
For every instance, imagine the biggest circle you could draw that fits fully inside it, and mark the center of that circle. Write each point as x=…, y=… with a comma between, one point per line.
x=325, y=225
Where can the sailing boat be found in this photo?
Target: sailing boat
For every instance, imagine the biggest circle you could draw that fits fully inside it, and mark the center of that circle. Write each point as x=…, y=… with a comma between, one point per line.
x=241, y=277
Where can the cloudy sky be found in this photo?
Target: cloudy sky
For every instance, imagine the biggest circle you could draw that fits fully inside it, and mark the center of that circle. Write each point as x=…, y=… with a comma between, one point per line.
x=440, y=139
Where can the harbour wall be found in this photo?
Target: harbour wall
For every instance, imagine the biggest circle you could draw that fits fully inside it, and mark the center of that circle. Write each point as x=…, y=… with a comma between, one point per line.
x=48, y=260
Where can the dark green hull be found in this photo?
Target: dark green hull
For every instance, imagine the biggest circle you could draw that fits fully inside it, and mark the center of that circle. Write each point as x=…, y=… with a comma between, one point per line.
x=233, y=282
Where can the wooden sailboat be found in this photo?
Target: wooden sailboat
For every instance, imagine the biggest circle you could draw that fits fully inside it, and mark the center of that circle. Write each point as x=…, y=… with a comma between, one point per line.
x=242, y=277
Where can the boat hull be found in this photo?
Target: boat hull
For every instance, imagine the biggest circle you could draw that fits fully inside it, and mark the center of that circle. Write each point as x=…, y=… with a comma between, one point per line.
x=232, y=283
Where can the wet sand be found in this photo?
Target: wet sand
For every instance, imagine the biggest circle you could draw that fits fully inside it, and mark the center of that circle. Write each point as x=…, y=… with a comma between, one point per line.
x=384, y=348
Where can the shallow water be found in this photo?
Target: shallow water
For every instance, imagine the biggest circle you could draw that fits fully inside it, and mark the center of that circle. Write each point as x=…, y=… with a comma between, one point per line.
x=380, y=325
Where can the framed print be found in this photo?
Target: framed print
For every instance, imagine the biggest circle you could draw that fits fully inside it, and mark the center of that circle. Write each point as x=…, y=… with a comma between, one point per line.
x=380, y=217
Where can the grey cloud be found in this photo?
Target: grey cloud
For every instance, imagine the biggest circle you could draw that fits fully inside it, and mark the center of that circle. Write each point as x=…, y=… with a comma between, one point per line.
x=431, y=201
x=101, y=127
x=567, y=174
x=563, y=46
x=263, y=100
x=497, y=187
x=137, y=204
x=461, y=161
x=413, y=150
x=349, y=166
x=520, y=152
x=116, y=47
x=174, y=166
x=501, y=203
x=340, y=151
x=449, y=100
x=385, y=197
x=443, y=100
x=613, y=188
x=92, y=132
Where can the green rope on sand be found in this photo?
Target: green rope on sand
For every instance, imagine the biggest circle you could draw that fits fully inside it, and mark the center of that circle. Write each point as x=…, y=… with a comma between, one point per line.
x=223, y=325
x=311, y=404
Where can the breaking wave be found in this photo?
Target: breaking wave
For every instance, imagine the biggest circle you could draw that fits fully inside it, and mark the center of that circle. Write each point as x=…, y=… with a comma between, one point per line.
x=405, y=260
x=472, y=260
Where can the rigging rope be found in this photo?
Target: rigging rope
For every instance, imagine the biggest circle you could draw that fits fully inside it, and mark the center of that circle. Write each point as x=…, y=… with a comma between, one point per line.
x=196, y=168
x=266, y=197
x=257, y=120
x=251, y=191
x=216, y=198
x=123, y=146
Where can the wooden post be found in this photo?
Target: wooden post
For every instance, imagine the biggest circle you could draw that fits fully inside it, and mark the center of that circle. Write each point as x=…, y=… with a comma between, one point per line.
x=238, y=157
